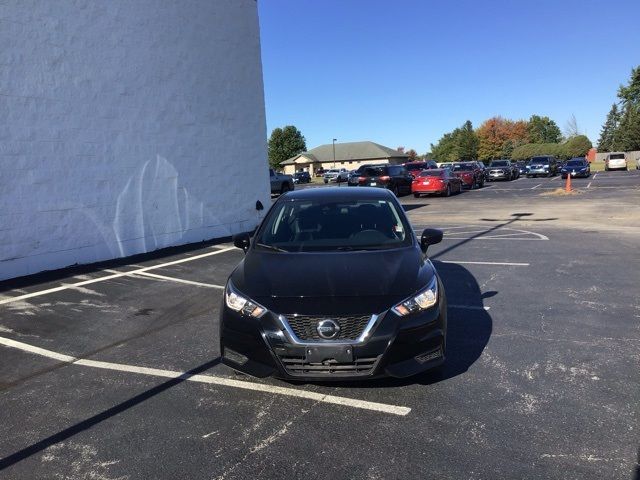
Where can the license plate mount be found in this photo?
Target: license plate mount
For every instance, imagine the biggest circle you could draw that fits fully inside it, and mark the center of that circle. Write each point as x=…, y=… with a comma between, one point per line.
x=319, y=354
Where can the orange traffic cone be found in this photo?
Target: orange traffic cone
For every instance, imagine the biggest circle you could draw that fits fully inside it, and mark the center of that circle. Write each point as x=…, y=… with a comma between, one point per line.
x=567, y=187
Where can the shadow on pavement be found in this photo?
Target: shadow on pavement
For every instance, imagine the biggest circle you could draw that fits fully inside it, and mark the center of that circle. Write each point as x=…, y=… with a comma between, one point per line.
x=101, y=417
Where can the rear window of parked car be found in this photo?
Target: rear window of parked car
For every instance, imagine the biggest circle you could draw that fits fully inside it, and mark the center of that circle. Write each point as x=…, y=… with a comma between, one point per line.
x=616, y=156
x=539, y=160
x=374, y=171
x=502, y=163
x=432, y=173
x=462, y=166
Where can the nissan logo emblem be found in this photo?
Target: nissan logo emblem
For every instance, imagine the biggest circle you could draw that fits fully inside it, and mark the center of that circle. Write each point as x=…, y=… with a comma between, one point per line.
x=328, y=329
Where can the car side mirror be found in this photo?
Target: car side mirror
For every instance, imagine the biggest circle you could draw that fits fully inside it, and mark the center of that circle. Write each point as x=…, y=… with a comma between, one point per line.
x=430, y=236
x=242, y=240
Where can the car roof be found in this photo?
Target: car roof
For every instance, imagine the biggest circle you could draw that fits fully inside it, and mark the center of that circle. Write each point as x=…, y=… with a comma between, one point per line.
x=339, y=193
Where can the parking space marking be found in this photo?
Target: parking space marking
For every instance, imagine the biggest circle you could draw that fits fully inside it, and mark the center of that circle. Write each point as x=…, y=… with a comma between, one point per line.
x=539, y=185
x=595, y=175
x=508, y=264
x=156, y=276
x=110, y=277
x=589, y=185
x=469, y=307
x=212, y=380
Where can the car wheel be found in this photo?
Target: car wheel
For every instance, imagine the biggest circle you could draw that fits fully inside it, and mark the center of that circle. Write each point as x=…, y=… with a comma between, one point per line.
x=416, y=195
x=395, y=190
x=447, y=193
x=284, y=188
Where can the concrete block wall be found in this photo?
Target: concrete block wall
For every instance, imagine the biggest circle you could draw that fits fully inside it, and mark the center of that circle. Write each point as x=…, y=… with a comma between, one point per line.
x=127, y=126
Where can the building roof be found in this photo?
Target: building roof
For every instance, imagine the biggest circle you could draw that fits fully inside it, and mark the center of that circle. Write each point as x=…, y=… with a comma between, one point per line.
x=348, y=151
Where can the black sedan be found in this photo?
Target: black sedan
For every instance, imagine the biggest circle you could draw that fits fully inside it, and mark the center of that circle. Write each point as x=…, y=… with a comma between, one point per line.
x=334, y=286
x=576, y=167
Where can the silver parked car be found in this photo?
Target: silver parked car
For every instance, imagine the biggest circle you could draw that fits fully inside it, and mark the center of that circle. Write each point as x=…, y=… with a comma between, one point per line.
x=337, y=175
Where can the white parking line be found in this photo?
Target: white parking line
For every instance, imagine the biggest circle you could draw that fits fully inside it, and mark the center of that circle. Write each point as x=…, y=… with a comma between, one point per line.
x=171, y=279
x=589, y=184
x=110, y=277
x=595, y=175
x=555, y=178
x=509, y=264
x=469, y=307
x=539, y=185
x=212, y=380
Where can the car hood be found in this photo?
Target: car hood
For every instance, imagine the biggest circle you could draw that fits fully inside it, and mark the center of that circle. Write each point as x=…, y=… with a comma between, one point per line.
x=290, y=281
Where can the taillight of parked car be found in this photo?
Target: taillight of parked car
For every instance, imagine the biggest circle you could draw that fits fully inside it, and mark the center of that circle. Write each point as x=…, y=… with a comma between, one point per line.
x=384, y=178
x=362, y=179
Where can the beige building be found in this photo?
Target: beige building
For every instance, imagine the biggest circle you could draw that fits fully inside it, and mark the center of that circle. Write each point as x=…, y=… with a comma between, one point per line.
x=349, y=155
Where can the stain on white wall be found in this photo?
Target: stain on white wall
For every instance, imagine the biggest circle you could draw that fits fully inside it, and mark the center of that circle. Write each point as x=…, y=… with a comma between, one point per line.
x=127, y=126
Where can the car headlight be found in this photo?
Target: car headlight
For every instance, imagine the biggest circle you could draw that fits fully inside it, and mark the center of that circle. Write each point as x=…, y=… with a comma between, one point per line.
x=236, y=302
x=425, y=299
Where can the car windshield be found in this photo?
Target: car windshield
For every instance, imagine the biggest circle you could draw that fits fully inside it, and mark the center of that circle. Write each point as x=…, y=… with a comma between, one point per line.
x=501, y=163
x=575, y=163
x=462, y=166
x=329, y=225
x=540, y=160
x=431, y=173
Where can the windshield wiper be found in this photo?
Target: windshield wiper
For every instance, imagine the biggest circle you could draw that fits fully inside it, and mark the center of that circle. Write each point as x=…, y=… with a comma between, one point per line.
x=271, y=247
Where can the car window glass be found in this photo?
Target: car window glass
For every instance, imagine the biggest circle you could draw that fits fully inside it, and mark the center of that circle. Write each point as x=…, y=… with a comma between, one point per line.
x=321, y=225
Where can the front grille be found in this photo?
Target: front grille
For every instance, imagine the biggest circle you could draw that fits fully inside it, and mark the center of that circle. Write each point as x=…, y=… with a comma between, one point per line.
x=304, y=326
x=298, y=366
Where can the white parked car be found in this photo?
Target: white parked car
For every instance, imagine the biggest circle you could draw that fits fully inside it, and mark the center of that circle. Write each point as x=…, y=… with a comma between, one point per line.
x=615, y=161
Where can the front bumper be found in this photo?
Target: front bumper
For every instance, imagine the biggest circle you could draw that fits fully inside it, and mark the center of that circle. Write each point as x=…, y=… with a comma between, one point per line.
x=538, y=171
x=397, y=347
x=574, y=173
x=499, y=175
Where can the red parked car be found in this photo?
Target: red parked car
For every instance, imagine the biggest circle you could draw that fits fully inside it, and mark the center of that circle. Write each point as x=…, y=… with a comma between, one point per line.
x=470, y=173
x=440, y=181
x=414, y=168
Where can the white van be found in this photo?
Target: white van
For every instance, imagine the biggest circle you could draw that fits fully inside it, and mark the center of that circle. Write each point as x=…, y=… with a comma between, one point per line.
x=615, y=160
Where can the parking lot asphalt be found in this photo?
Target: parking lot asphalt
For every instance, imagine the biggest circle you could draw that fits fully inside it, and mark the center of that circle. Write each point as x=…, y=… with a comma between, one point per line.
x=113, y=372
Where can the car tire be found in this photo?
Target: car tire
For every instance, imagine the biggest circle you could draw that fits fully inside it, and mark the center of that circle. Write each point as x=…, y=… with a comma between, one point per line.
x=284, y=188
x=416, y=195
x=447, y=192
x=395, y=190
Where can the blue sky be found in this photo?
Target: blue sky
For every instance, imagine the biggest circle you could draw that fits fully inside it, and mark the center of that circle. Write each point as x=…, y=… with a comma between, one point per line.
x=404, y=72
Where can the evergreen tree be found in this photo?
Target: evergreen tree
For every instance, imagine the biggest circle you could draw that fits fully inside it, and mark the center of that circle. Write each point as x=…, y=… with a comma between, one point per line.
x=609, y=130
x=628, y=137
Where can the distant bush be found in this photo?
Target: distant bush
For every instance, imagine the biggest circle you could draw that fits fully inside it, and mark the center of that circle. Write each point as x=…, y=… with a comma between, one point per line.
x=577, y=146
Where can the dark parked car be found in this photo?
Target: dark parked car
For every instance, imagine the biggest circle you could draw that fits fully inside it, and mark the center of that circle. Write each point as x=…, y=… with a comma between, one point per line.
x=392, y=177
x=576, y=167
x=500, y=170
x=440, y=181
x=301, y=177
x=280, y=183
x=414, y=168
x=334, y=286
x=522, y=167
x=355, y=174
x=469, y=173
x=545, y=165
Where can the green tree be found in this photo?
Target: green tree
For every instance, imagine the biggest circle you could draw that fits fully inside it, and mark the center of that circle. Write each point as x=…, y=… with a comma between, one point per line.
x=609, y=130
x=285, y=143
x=412, y=154
x=468, y=142
x=628, y=135
x=577, y=146
x=461, y=144
x=630, y=94
x=543, y=130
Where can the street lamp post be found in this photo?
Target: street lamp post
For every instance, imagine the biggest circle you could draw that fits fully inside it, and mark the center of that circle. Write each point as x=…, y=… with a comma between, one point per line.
x=334, y=161
x=334, y=152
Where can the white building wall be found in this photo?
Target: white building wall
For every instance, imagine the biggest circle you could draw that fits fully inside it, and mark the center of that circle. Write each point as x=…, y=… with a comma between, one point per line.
x=127, y=126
